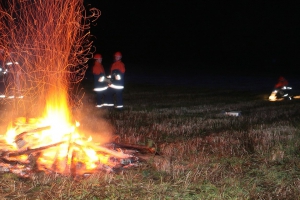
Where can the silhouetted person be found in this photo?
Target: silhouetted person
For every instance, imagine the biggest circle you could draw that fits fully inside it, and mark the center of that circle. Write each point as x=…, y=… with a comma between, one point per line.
x=116, y=87
x=100, y=85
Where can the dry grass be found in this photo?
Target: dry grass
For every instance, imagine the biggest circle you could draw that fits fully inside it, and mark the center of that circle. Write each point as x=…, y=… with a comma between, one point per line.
x=203, y=153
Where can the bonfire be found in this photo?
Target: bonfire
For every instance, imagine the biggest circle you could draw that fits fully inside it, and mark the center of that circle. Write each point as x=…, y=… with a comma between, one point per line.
x=53, y=144
x=51, y=41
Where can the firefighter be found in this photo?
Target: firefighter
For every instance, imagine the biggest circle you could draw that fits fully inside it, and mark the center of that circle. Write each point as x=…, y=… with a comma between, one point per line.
x=281, y=83
x=116, y=86
x=100, y=84
x=1, y=57
x=14, y=75
x=282, y=88
x=2, y=73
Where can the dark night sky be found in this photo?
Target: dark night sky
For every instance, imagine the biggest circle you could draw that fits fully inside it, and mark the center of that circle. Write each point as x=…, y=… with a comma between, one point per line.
x=195, y=34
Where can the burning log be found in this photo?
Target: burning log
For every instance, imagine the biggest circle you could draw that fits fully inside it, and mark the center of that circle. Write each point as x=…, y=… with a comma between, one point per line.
x=72, y=154
x=21, y=135
x=110, y=152
x=19, y=139
x=28, y=151
x=117, y=160
x=140, y=148
x=12, y=162
x=73, y=163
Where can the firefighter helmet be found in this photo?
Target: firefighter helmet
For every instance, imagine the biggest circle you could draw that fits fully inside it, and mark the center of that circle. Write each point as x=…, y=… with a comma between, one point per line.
x=118, y=53
x=97, y=56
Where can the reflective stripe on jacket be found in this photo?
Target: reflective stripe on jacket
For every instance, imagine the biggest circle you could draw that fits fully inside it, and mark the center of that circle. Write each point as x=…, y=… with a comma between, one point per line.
x=117, y=79
x=99, y=82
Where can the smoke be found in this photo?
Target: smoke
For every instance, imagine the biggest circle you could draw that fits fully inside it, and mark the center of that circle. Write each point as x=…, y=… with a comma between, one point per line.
x=93, y=122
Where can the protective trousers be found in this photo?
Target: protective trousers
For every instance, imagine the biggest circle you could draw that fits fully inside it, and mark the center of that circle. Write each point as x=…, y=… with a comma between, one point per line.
x=114, y=97
x=100, y=98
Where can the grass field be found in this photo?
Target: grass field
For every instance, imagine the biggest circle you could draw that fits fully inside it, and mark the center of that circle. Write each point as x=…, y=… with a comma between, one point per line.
x=203, y=154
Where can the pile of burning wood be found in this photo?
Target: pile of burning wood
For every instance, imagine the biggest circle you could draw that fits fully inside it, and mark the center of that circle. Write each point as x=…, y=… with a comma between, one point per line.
x=71, y=155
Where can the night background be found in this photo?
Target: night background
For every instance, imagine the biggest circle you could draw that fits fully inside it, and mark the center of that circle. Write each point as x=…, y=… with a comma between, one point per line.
x=200, y=37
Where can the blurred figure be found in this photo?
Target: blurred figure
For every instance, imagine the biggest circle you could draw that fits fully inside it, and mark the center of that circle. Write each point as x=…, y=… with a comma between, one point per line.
x=116, y=86
x=1, y=57
x=2, y=74
x=100, y=84
x=14, y=75
x=281, y=83
x=281, y=90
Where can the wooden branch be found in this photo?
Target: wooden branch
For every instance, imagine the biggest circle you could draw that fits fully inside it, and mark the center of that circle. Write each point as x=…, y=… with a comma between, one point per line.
x=29, y=151
x=107, y=151
x=12, y=162
x=20, y=136
x=141, y=148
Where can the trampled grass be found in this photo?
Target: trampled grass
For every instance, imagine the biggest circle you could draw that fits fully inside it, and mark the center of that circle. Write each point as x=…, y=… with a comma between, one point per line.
x=203, y=154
